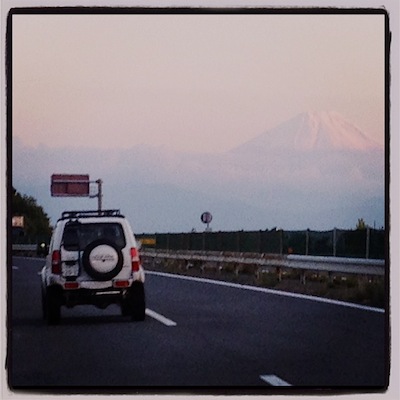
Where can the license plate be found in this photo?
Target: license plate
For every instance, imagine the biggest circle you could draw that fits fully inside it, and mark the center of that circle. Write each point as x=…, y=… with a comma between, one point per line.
x=70, y=270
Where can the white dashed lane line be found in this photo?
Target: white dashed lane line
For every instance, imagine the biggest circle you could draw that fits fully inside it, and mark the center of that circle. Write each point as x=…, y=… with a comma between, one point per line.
x=274, y=380
x=160, y=318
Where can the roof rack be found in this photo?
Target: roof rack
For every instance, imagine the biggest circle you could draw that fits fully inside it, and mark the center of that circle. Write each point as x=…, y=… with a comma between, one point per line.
x=90, y=214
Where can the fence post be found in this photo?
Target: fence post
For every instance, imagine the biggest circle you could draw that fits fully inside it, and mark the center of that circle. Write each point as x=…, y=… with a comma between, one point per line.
x=367, y=242
x=307, y=240
x=334, y=242
x=303, y=277
x=279, y=273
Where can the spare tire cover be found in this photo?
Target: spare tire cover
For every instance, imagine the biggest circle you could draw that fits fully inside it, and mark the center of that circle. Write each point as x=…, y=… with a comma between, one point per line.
x=102, y=259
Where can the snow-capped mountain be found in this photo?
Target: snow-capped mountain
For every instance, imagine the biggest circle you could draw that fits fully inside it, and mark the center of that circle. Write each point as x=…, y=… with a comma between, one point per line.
x=309, y=132
x=315, y=171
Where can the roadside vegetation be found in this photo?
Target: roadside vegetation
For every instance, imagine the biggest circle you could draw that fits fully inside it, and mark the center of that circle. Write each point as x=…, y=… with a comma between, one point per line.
x=365, y=290
x=36, y=223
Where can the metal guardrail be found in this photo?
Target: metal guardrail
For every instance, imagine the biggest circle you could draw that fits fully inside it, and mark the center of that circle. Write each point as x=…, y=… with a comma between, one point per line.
x=357, y=266
x=27, y=250
x=24, y=247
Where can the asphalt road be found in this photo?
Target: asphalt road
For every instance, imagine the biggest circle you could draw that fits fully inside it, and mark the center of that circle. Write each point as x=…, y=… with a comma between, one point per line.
x=198, y=334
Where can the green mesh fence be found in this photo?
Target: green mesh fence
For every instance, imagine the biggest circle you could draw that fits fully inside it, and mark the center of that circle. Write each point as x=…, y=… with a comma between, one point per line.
x=361, y=243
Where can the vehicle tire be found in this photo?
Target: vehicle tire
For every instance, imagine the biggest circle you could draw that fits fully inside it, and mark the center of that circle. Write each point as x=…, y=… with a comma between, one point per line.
x=44, y=304
x=137, y=301
x=52, y=301
x=102, y=259
x=126, y=309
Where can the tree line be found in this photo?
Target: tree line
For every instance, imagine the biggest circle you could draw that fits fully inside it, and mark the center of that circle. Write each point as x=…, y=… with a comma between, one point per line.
x=36, y=221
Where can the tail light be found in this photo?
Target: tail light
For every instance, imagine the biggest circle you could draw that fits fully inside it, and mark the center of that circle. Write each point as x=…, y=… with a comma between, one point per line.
x=71, y=285
x=56, y=262
x=135, y=259
x=121, y=284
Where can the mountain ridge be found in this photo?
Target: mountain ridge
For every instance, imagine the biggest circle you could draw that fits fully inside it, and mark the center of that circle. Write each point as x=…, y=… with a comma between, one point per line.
x=311, y=131
x=160, y=189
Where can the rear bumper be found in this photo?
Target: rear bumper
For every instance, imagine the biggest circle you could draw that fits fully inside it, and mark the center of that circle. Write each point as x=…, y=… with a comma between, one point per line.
x=98, y=297
x=52, y=279
x=101, y=298
x=100, y=294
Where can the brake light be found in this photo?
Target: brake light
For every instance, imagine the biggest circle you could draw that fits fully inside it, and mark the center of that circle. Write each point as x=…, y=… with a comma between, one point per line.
x=56, y=262
x=135, y=260
x=121, y=284
x=71, y=285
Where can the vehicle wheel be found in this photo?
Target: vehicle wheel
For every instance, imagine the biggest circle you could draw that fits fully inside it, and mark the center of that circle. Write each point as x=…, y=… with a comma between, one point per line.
x=126, y=309
x=137, y=301
x=52, y=301
x=44, y=305
x=102, y=259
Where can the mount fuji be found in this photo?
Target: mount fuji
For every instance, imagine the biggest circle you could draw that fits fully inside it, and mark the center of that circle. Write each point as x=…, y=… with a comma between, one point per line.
x=316, y=170
x=312, y=131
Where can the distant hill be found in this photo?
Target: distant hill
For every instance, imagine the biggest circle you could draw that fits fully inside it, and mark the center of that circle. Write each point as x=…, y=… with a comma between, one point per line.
x=314, y=171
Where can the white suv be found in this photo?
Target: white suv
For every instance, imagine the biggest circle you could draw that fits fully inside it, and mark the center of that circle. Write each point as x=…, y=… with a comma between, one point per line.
x=93, y=259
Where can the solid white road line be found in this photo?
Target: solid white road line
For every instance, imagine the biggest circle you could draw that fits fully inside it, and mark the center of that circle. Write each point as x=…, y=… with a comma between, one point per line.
x=160, y=318
x=274, y=380
x=271, y=291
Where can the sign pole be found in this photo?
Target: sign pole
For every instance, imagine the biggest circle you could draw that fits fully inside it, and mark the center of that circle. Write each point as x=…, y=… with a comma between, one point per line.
x=99, y=194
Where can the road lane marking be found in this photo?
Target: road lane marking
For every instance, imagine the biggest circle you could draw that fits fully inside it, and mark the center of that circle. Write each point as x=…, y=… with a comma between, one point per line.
x=274, y=380
x=160, y=318
x=270, y=291
x=14, y=267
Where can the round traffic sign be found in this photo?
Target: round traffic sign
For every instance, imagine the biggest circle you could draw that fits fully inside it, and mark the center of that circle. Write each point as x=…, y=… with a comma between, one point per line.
x=206, y=217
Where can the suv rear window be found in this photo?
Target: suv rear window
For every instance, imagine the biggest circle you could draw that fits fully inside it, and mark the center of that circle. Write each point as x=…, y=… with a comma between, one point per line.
x=77, y=236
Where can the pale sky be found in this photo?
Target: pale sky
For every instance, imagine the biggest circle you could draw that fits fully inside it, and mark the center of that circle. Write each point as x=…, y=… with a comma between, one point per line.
x=202, y=83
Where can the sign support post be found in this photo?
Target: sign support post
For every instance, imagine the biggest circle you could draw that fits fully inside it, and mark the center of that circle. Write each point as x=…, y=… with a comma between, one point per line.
x=99, y=194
